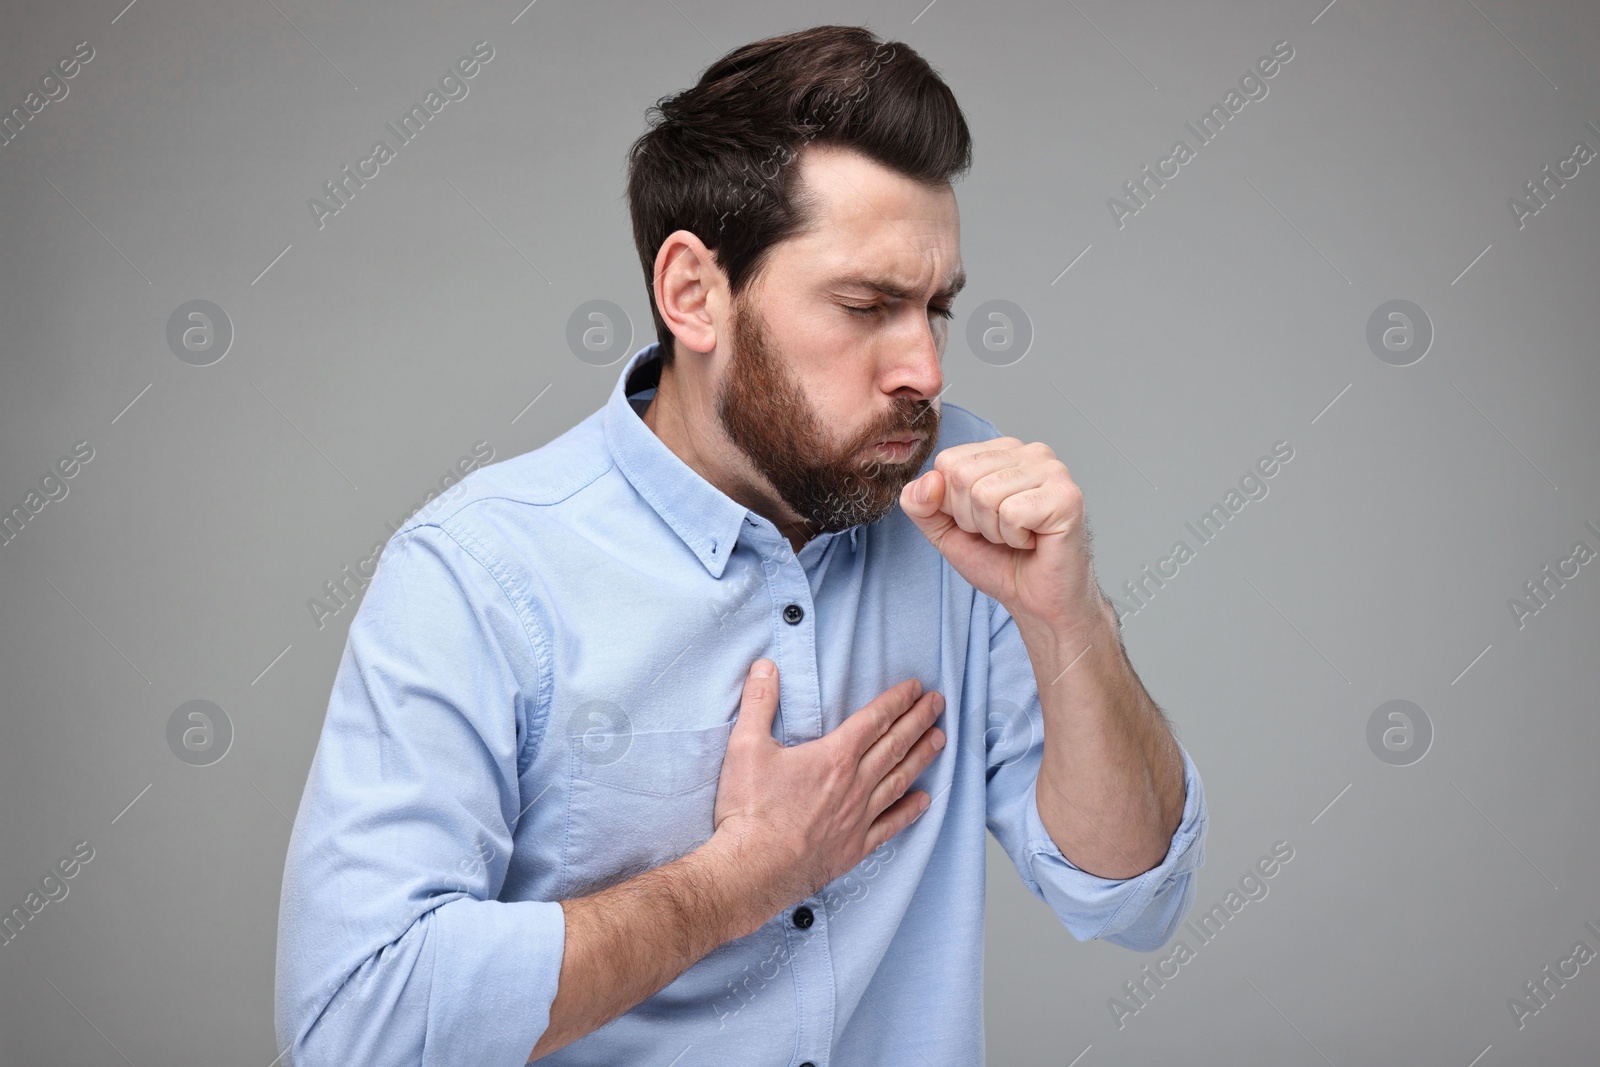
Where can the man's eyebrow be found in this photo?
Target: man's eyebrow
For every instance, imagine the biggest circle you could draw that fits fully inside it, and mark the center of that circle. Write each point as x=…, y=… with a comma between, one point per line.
x=889, y=287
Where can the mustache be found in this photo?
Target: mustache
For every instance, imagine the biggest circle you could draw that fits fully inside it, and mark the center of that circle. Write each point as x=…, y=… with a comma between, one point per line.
x=918, y=420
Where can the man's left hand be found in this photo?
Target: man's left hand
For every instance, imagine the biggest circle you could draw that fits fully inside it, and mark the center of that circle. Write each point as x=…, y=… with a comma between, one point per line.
x=1009, y=518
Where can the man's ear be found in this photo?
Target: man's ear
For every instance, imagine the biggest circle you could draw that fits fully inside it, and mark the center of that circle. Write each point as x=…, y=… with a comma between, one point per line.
x=691, y=291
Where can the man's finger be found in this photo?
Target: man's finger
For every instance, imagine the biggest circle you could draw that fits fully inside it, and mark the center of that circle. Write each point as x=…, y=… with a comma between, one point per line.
x=862, y=729
x=963, y=469
x=758, y=705
x=989, y=491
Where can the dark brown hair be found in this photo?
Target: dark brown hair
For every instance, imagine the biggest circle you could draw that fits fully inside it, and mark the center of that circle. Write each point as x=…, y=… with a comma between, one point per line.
x=717, y=159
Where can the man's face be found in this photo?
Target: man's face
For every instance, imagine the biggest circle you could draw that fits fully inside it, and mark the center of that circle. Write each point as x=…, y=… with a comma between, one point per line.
x=823, y=365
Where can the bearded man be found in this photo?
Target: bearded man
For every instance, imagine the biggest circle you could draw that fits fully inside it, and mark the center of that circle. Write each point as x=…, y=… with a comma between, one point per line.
x=679, y=736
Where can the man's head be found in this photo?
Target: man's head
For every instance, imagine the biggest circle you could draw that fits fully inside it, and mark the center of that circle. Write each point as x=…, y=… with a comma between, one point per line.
x=795, y=217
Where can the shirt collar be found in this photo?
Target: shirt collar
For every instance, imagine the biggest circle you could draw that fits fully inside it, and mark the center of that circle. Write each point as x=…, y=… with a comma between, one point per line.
x=707, y=520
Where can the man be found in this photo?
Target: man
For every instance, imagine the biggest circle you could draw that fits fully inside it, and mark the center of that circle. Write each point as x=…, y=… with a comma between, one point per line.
x=678, y=736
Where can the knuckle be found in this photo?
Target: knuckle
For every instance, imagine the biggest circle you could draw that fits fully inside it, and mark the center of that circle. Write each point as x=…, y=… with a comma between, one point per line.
x=883, y=717
x=989, y=493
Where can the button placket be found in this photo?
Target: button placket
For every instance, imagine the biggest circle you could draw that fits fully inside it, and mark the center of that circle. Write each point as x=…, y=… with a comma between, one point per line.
x=798, y=678
x=813, y=980
x=801, y=714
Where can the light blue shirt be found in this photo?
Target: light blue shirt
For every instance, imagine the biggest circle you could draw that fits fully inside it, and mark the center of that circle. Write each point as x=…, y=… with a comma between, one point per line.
x=534, y=701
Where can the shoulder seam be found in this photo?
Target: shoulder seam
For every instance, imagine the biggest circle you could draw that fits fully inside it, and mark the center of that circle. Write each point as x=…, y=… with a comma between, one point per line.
x=479, y=553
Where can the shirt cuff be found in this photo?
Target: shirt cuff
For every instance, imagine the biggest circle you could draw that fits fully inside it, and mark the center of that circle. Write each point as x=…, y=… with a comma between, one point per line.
x=496, y=966
x=1140, y=912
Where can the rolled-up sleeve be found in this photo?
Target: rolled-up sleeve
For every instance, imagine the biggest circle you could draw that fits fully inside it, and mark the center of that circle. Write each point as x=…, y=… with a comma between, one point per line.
x=392, y=946
x=1141, y=912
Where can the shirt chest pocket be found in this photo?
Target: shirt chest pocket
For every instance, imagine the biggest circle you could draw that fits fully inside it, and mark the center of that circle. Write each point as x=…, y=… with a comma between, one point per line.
x=638, y=801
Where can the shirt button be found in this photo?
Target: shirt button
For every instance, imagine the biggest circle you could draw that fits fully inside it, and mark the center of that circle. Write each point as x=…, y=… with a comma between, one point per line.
x=808, y=1063
x=793, y=614
x=803, y=918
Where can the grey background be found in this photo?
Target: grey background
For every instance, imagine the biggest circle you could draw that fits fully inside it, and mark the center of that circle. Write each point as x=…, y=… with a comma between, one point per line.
x=1228, y=314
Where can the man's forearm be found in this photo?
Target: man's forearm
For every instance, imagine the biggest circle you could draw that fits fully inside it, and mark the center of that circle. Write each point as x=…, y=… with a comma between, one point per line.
x=1110, y=788
x=627, y=942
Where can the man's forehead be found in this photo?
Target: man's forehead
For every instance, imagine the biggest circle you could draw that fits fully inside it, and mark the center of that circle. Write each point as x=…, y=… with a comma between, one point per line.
x=897, y=256
x=866, y=215
x=902, y=260
x=886, y=200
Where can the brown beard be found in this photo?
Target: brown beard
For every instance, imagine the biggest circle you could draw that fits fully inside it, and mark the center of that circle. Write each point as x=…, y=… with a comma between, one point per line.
x=765, y=413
